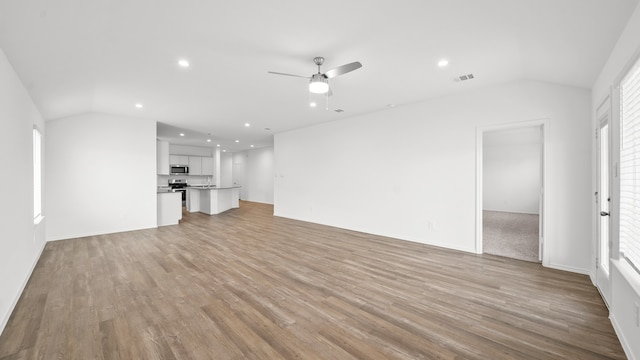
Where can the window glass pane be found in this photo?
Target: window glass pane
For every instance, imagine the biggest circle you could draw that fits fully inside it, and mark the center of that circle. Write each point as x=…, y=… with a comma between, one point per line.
x=630, y=166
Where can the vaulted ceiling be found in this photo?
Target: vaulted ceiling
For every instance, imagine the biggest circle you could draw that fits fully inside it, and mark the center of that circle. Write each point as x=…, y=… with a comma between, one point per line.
x=78, y=56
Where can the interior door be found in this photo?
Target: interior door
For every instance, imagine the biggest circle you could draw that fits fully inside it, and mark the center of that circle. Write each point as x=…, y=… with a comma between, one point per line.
x=238, y=178
x=603, y=199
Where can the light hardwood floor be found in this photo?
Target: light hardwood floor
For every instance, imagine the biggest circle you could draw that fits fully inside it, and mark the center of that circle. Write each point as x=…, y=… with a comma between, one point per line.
x=245, y=284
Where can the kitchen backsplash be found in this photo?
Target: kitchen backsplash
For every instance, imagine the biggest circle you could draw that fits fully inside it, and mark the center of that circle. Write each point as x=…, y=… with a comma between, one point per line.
x=191, y=179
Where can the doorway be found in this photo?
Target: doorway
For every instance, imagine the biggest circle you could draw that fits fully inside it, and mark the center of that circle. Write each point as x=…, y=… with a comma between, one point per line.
x=510, y=213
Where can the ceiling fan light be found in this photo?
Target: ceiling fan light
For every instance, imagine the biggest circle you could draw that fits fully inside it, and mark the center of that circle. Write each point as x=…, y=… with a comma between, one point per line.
x=318, y=84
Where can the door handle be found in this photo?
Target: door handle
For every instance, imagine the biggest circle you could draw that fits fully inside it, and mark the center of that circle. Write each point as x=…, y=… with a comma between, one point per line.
x=604, y=213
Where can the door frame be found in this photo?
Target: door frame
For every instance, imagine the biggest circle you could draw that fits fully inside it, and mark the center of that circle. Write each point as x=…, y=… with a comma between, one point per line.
x=544, y=123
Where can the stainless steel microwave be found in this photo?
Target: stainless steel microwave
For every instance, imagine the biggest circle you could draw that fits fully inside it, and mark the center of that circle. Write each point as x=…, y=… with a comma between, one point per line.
x=179, y=170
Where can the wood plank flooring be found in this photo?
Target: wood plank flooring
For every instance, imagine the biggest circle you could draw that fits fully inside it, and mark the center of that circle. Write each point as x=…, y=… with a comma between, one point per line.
x=247, y=285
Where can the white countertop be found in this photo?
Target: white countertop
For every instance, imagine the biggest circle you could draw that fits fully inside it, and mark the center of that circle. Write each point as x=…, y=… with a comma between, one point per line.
x=212, y=187
x=166, y=191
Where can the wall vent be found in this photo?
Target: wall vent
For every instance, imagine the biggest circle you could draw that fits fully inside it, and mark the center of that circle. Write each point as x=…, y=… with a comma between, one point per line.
x=463, y=78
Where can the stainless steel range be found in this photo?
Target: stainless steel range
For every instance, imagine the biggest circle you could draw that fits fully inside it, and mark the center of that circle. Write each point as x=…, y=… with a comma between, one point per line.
x=179, y=185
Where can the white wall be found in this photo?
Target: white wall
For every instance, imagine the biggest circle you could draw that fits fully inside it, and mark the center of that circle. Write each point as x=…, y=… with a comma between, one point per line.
x=512, y=170
x=101, y=172
x=21, y=242
x=625, y=283
x=226, y=169
x=409, y=172
x=257, y=174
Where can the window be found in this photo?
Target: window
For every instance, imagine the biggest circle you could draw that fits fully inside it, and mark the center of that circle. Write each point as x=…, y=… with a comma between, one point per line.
x=630, y=166
x=37, y=175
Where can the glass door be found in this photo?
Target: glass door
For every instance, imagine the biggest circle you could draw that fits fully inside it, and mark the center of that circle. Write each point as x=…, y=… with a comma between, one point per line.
x=603, y=199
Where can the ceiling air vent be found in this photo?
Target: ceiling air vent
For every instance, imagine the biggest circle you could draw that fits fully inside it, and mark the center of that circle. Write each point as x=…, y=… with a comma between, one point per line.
x=338, y=110
x=463, y=77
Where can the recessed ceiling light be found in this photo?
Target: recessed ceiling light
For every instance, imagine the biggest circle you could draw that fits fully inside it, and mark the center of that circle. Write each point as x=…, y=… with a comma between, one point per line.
x=139, y=106
x=237, y=141
x=247, y=124
x=208, y=140
x=443, y=62
x=181, y=134
x=184, y=63
x=251, y=145
x=218, y=145
x=312, y=104
x=224, y=150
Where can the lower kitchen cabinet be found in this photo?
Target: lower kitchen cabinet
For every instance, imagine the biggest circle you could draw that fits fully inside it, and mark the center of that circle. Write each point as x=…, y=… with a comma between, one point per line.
x=169, y=208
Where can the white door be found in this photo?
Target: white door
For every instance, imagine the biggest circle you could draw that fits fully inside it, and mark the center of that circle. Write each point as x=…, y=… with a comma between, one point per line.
x=603, y=198
x=238, y=179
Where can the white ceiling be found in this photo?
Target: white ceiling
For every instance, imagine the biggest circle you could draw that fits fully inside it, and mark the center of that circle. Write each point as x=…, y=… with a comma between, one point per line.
x=77, y=56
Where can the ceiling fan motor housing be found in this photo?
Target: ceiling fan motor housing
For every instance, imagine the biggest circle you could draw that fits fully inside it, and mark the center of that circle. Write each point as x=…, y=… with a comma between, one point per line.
x=319, y=84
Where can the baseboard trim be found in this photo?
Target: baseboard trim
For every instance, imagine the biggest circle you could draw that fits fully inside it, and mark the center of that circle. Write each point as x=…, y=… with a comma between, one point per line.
x=623, y=340
x=568, y=268
x=5, y=320
x=258, y=201
x=101, y=232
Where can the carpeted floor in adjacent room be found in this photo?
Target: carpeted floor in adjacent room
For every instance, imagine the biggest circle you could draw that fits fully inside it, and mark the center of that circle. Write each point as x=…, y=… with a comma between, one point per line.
x=511, y=235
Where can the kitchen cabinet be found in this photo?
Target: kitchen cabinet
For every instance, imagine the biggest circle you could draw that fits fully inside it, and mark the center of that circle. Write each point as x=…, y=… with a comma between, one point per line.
x=211, y=200
x=162, y=157
x=169, y=208
x=195, y=165
x=207, y=165
x=198, y=165
x=179, y=159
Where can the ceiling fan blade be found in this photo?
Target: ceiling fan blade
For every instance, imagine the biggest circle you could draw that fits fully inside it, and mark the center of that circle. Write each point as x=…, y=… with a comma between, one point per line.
x=279, y=73
x=340, y=70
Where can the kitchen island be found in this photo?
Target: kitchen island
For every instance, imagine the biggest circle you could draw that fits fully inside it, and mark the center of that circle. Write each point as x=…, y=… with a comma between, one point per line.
x=212, y=200
x=169, y=207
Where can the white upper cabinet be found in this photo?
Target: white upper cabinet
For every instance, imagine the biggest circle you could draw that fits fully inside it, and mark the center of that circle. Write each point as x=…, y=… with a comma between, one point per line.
x=207, y=166
x=195, y=165
x=197, y=158
x=179, y=160
x=162, y=156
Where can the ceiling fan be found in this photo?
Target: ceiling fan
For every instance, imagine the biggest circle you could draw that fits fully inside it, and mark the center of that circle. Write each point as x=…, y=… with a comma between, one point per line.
x=319, y=83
